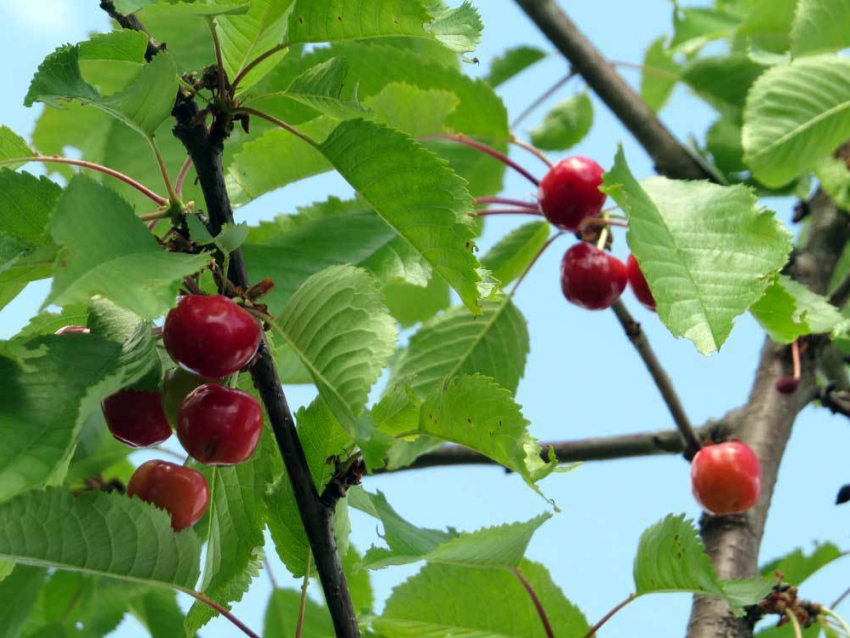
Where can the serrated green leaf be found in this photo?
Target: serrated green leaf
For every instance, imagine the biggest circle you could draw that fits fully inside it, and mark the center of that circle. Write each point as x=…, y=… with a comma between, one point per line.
x=231, y=237
x=784, y=135
x=108, y=251
x=336, y=20
x=12, y=146
x=834, y=178
x=788, y=310
x=282, y=615
x=660, y=74
x=178, y=8
x=18, y=595
x=98, y=533
x=417, y=112
x=407, y=184
x=459, y=28
x=447, y=600
x=797, y=566
x=819, y=26
x=513, y=62
x=26, y=203
x=455, y=343
x=722, y=80
x=566, y=125
x=707, y=251
x=110, y=61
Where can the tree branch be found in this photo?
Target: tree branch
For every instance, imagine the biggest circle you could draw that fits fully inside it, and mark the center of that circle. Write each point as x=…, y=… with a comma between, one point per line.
x=670, y=156
x=132, y=22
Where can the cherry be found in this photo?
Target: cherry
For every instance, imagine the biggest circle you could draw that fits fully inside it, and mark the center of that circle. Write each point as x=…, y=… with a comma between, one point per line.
x=726, y=478
x=219, y=425
x=639, y=285
x=569, y=192
x=136, y=418
x=176, y=386
x=73, y=330
x=787, y=385
x=181, y=491
x=592, y=278
x=210, y=335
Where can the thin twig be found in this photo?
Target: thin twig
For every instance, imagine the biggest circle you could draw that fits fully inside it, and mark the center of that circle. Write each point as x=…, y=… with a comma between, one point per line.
x=508, y=211
x=280, y=123
x=163, y=170
x=538, y=605
x=841, y=598
x=540, y=100
x=508, y=201
x=533, y=150
x=492, y=152
x=55, y=159
x=224, y=612
x=659, y=375
x=252, y=65
x=608, y=616
x=269, y=572
x=302, y=605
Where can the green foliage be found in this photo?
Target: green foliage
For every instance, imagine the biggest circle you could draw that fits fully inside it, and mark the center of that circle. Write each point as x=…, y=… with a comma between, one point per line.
x=320, y=88
x=180, y=8
x=512, y=254
x=768, y=25
x=12, y=146
x=797, y=566
x=784, y=135
x=833, y=176
x=819, y=26
x=723, y=80
x=788, y=310
x=282, y=617
x=699, y=292
x=694, y=27
x=18, y=595
x=566, y=125
x=660, y=74
x=513, y=62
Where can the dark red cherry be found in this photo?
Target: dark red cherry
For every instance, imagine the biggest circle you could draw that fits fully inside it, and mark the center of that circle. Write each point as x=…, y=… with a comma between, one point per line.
x=136, y=418
x=179, y=490
x=787, y=385
x=569, y=192
x=73, y=330
x=638, y=284
x=726, y=478
x=177, y=384
x=592, y=278
x=219, y=425
x=210, y=335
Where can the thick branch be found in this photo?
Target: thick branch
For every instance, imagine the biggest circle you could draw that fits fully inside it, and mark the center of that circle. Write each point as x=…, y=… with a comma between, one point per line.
x=595, y=449
x=671, y=157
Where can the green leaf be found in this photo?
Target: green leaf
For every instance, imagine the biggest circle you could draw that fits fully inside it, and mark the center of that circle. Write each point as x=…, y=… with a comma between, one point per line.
x=819, y=26
x=359, y=581
x=417, y=112
x=784, y=135
x=407, y=185
x=672, y=558
x=282, y=617
x=566, y=125
x=411, y=304
x=513, y=62
x=98, y=533
x=499, y=547
x=320, y=88
x=707, y=251
x=158, y=612
x=177, y=8
x=788, y=310
x=476, y=412
x=110, y=61
x=447, y=600
x=723, y=80
x=459, y=29
x=834, y=178
x=143, y=106
x=108, y=251
x=723, y=141
x=18, y=595
x=455, y=343
x=768, y=24
x=695, y=27
x=43, y=407
x=12, y=145
x=660, y=74
x=798, y=566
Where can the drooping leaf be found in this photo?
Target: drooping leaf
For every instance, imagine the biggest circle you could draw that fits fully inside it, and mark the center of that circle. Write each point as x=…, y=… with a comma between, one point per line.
x=513, y=62
x=786, y=135
x=819, y=26
x=797, y=566
x=107, y=250
x=455, y=343
x=282, y=617
x=12, y=146
x=707, y=252
x=566, y=125
x=448, y=600
x=99, y=533
x=788, y=310
x=660, y=74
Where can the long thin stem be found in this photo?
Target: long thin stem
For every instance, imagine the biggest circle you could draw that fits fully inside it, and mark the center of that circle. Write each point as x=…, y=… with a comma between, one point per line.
x=795, y=358
x=545, y=96
x=601, y=221
x=540, y=252
x=280, y=123
x=268, y=567
x=538, y=605
x=608, y=616
x=163, y=170
x=492, y=152
x=219, y=60
x=829, y=612
x=252, y=65
x=181, y=176
x=55, y=159
x=533, y=150
x=795, y=623
x=506, y=200
x=224, y=612
x=302, y=605
x=508, y=211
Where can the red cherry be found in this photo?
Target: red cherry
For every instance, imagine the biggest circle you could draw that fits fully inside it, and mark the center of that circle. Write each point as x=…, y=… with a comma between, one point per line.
x=787, y=385
x=177, y=384
x=592, y=278
x=726, y=478
x=569, y=192
x=639, y=285
x=219, y=425
x=136, y=418
x=181, y=491
x=73, y=330
x=210, y=335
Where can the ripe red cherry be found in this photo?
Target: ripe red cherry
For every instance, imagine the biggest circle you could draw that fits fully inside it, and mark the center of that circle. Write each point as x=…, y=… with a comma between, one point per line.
x=569, y=192
x=73, y=330
x=210, y=335
x=136, y=418
x=639, y=285
x=726, y=478
x=219, y=425
x=787, y=385
x=181, y=491
x=177, y=384
x=592, y=278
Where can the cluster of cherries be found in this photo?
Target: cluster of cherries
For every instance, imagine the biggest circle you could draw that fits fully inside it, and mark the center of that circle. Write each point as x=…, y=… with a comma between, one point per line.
x=211, y=338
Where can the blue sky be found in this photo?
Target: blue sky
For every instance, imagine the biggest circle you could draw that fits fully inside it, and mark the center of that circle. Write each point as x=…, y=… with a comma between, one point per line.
x=582, y=378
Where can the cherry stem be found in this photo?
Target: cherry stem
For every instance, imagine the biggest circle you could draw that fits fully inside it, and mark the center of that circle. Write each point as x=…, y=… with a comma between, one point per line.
x=505, y=200
x=601, y=221
x=252, y=65
x=798, y=632
x=492, y=152
x=219, y=60
x=829, y=612
x=607, y=616
x=533, y=150
x=546, y=95
x=163, y=170
x=55, y=159
x=269, y=572
x=508, y=211
x=534, y=260
x=181, y=176
x=302, y=606
x=280, y=123
x=795, y=358
x=541, y=611
x=154, y=217
x=224, y=612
